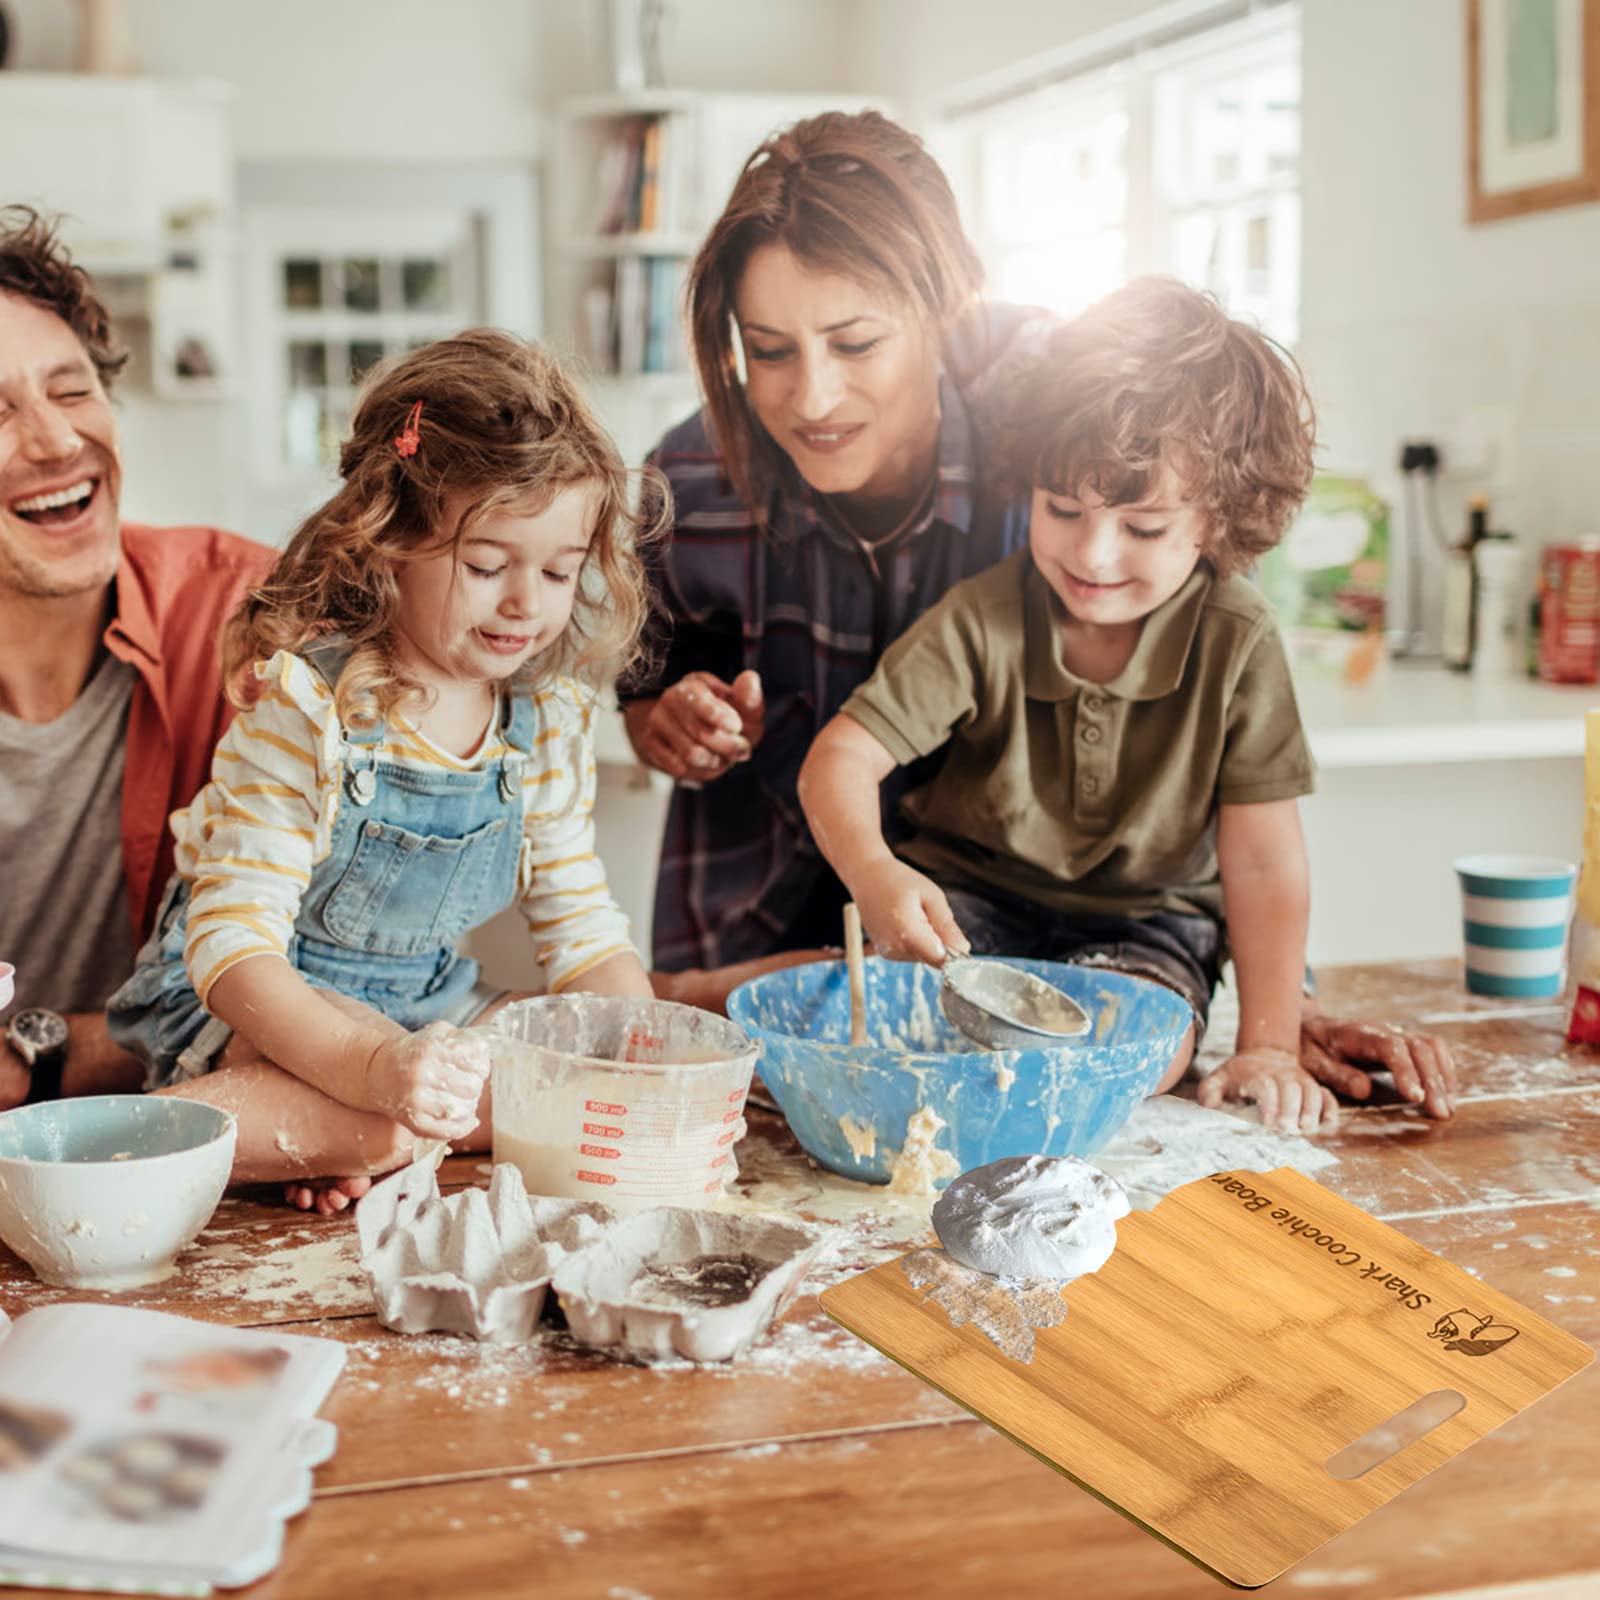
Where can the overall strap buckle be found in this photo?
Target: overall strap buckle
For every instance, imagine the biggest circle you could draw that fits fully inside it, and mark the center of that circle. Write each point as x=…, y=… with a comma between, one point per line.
x=361, y=779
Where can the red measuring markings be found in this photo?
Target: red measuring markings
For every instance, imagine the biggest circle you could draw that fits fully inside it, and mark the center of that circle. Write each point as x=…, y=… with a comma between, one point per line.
x=601, y=1129
x=721, y=1161
x=729, y=1135
x=731, y=1116
x=596, y=1177
x=604, y=1151
x=604, y=1109
x=736, y=1098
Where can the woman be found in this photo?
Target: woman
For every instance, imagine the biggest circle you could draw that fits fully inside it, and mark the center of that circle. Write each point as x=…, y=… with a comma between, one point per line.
x=823, y=503
x=831, y=490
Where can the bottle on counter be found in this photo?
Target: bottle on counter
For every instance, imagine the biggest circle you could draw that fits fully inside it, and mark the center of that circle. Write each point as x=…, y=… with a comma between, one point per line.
x=1459, y=626
x=1498, y=648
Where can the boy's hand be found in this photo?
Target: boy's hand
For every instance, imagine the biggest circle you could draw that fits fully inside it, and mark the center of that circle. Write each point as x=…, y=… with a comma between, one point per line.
x=429, y=1081
x=701, y=726
x=905, y=914
x=1291, y=1100
x=1343, y=1055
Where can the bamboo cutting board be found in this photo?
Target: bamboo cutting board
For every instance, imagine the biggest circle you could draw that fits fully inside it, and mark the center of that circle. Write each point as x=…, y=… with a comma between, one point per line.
x=1243, y=1334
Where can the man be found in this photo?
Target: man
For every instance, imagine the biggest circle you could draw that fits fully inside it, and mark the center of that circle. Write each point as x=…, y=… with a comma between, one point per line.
x=110, y=698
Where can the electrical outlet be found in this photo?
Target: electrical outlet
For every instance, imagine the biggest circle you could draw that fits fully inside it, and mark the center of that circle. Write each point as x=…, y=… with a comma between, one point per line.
x=1477, y=445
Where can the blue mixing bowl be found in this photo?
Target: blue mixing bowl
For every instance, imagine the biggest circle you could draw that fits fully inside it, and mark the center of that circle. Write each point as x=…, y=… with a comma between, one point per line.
x=1067, y=1100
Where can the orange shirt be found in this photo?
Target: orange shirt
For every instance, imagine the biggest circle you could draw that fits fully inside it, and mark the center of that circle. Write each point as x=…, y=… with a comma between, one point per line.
x=174, y=589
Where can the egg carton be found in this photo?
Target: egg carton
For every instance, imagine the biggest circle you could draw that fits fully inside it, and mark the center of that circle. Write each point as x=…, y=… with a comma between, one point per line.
x=695, y=1285
x=664, y=1284
x=476, y=1262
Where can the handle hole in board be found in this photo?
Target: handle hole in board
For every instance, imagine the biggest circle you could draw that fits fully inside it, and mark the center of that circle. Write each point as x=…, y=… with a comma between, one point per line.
x=1389, y=1438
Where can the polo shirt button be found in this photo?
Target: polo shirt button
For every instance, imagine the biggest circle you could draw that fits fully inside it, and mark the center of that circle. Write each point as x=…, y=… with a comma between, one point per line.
x=1091, y=734
x=1091, y=786
x=1093, y=703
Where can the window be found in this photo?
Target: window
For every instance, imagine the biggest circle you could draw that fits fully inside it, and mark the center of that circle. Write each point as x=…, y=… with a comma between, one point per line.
x=1179, y=157
x=343, y=294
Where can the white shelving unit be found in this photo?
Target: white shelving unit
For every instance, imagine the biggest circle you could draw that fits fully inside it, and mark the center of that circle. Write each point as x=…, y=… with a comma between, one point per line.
x=141, y=171
x=627, y=226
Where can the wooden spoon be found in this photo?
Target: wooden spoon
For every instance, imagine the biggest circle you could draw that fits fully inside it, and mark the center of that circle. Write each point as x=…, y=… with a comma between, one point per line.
x=858, y=977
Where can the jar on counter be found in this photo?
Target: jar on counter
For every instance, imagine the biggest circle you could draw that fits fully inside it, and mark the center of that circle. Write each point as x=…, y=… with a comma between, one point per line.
x=1502, y=589
x=1569, y=612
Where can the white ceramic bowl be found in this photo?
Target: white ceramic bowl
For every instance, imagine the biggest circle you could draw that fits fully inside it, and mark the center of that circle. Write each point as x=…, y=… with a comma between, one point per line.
x=103, y=1192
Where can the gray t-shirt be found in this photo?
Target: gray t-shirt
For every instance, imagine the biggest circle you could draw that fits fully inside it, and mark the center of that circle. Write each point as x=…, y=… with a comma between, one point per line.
x=63, y=893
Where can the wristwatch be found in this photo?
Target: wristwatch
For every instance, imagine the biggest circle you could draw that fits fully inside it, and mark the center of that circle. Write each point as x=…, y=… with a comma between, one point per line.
x=40, y=1038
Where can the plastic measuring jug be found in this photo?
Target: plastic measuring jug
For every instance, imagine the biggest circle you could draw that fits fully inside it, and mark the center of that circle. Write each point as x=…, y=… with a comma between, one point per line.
x=582, y=1116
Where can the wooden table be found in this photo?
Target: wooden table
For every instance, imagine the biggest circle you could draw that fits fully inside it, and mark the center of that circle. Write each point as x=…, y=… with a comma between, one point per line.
x=817, y=1467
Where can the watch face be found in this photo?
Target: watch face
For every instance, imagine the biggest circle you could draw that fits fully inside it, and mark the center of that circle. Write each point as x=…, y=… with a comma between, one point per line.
x=43, y=1030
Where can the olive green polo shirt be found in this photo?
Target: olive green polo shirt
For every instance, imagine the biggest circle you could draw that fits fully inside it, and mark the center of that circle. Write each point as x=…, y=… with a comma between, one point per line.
x=1086, y=797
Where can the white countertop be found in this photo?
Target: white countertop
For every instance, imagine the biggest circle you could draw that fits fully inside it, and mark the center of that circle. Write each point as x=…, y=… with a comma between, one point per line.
x=1418, y=715
x=1404, y=716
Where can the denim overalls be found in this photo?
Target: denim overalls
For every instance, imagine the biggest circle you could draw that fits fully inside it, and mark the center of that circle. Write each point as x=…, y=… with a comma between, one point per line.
x=417, y=858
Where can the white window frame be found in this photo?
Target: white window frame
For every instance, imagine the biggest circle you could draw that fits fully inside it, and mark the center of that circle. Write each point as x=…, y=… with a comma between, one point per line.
x=1143, y=68
x=276, y=235
x=320, y=209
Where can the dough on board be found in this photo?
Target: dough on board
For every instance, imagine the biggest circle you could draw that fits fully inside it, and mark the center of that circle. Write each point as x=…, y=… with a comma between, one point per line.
x=1031, y=1217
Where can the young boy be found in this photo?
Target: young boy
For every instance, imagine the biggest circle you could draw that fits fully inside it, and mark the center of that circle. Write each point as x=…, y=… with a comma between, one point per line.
x=1123, y=753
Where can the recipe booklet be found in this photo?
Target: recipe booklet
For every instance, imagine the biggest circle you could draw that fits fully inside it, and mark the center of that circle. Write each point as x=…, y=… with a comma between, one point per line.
x=143, y=1452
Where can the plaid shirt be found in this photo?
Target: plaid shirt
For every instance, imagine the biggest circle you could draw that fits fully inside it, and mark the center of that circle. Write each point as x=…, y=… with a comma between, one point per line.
x=811, y=608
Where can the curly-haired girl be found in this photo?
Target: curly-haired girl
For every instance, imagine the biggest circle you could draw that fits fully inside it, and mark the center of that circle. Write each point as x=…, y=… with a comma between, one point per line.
x=412, y=754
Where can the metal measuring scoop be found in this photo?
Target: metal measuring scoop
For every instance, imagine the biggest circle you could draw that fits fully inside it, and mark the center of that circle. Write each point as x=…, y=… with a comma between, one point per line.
x=1004, y=1008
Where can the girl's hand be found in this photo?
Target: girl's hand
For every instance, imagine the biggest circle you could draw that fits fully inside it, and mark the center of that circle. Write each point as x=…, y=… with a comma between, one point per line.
x=905, y=914
x=430, y=1081
x=700, y=727
x=1291, y=1100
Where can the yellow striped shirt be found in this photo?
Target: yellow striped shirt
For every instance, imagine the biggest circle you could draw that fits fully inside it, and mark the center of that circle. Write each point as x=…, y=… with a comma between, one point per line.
x=251, y=839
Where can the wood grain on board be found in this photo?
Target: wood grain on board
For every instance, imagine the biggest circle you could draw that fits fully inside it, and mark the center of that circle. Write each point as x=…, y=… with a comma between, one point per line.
x=1289, y=1323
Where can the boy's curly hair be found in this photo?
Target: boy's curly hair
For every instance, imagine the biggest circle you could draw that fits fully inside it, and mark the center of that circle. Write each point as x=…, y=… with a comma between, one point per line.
x=36, y=266
x=501, y=421
x=1157, y=376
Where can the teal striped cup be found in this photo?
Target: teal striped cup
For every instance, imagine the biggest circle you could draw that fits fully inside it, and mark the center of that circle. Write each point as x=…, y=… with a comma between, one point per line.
x=1515, y=911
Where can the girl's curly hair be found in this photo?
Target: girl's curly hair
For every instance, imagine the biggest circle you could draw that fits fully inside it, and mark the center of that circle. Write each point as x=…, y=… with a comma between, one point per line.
x=1157, y=376
x=501, y=421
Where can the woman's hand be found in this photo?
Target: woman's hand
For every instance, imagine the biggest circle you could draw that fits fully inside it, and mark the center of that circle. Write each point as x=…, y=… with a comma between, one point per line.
x=430, y=1081
x=700, y=727
x=905, y=914
x=1291, y=1100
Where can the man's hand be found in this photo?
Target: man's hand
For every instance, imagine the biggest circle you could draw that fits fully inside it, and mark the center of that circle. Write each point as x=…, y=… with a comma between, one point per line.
x=1291, y=1101
x=16, y=1078
x=1343, y=1055
x=700, y=727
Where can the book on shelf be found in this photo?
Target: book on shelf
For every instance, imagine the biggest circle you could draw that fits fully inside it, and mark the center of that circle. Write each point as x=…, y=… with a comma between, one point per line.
x=143, y=1453
x=648, y=315
x=644, y=176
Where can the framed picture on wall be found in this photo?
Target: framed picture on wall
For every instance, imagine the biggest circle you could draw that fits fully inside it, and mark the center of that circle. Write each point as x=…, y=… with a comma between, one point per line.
x=1533, y=105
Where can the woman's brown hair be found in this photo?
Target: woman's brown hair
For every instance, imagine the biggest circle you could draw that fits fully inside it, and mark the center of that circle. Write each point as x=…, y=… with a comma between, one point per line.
x=500, y=421
x=1157, y=376
x=850, y=194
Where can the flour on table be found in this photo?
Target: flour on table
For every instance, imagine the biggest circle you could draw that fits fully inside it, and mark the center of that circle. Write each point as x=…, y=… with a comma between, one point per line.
x=1167, y=1143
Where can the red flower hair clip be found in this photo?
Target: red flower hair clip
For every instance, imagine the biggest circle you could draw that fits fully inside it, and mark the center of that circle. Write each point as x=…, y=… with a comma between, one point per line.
x=406, y=441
